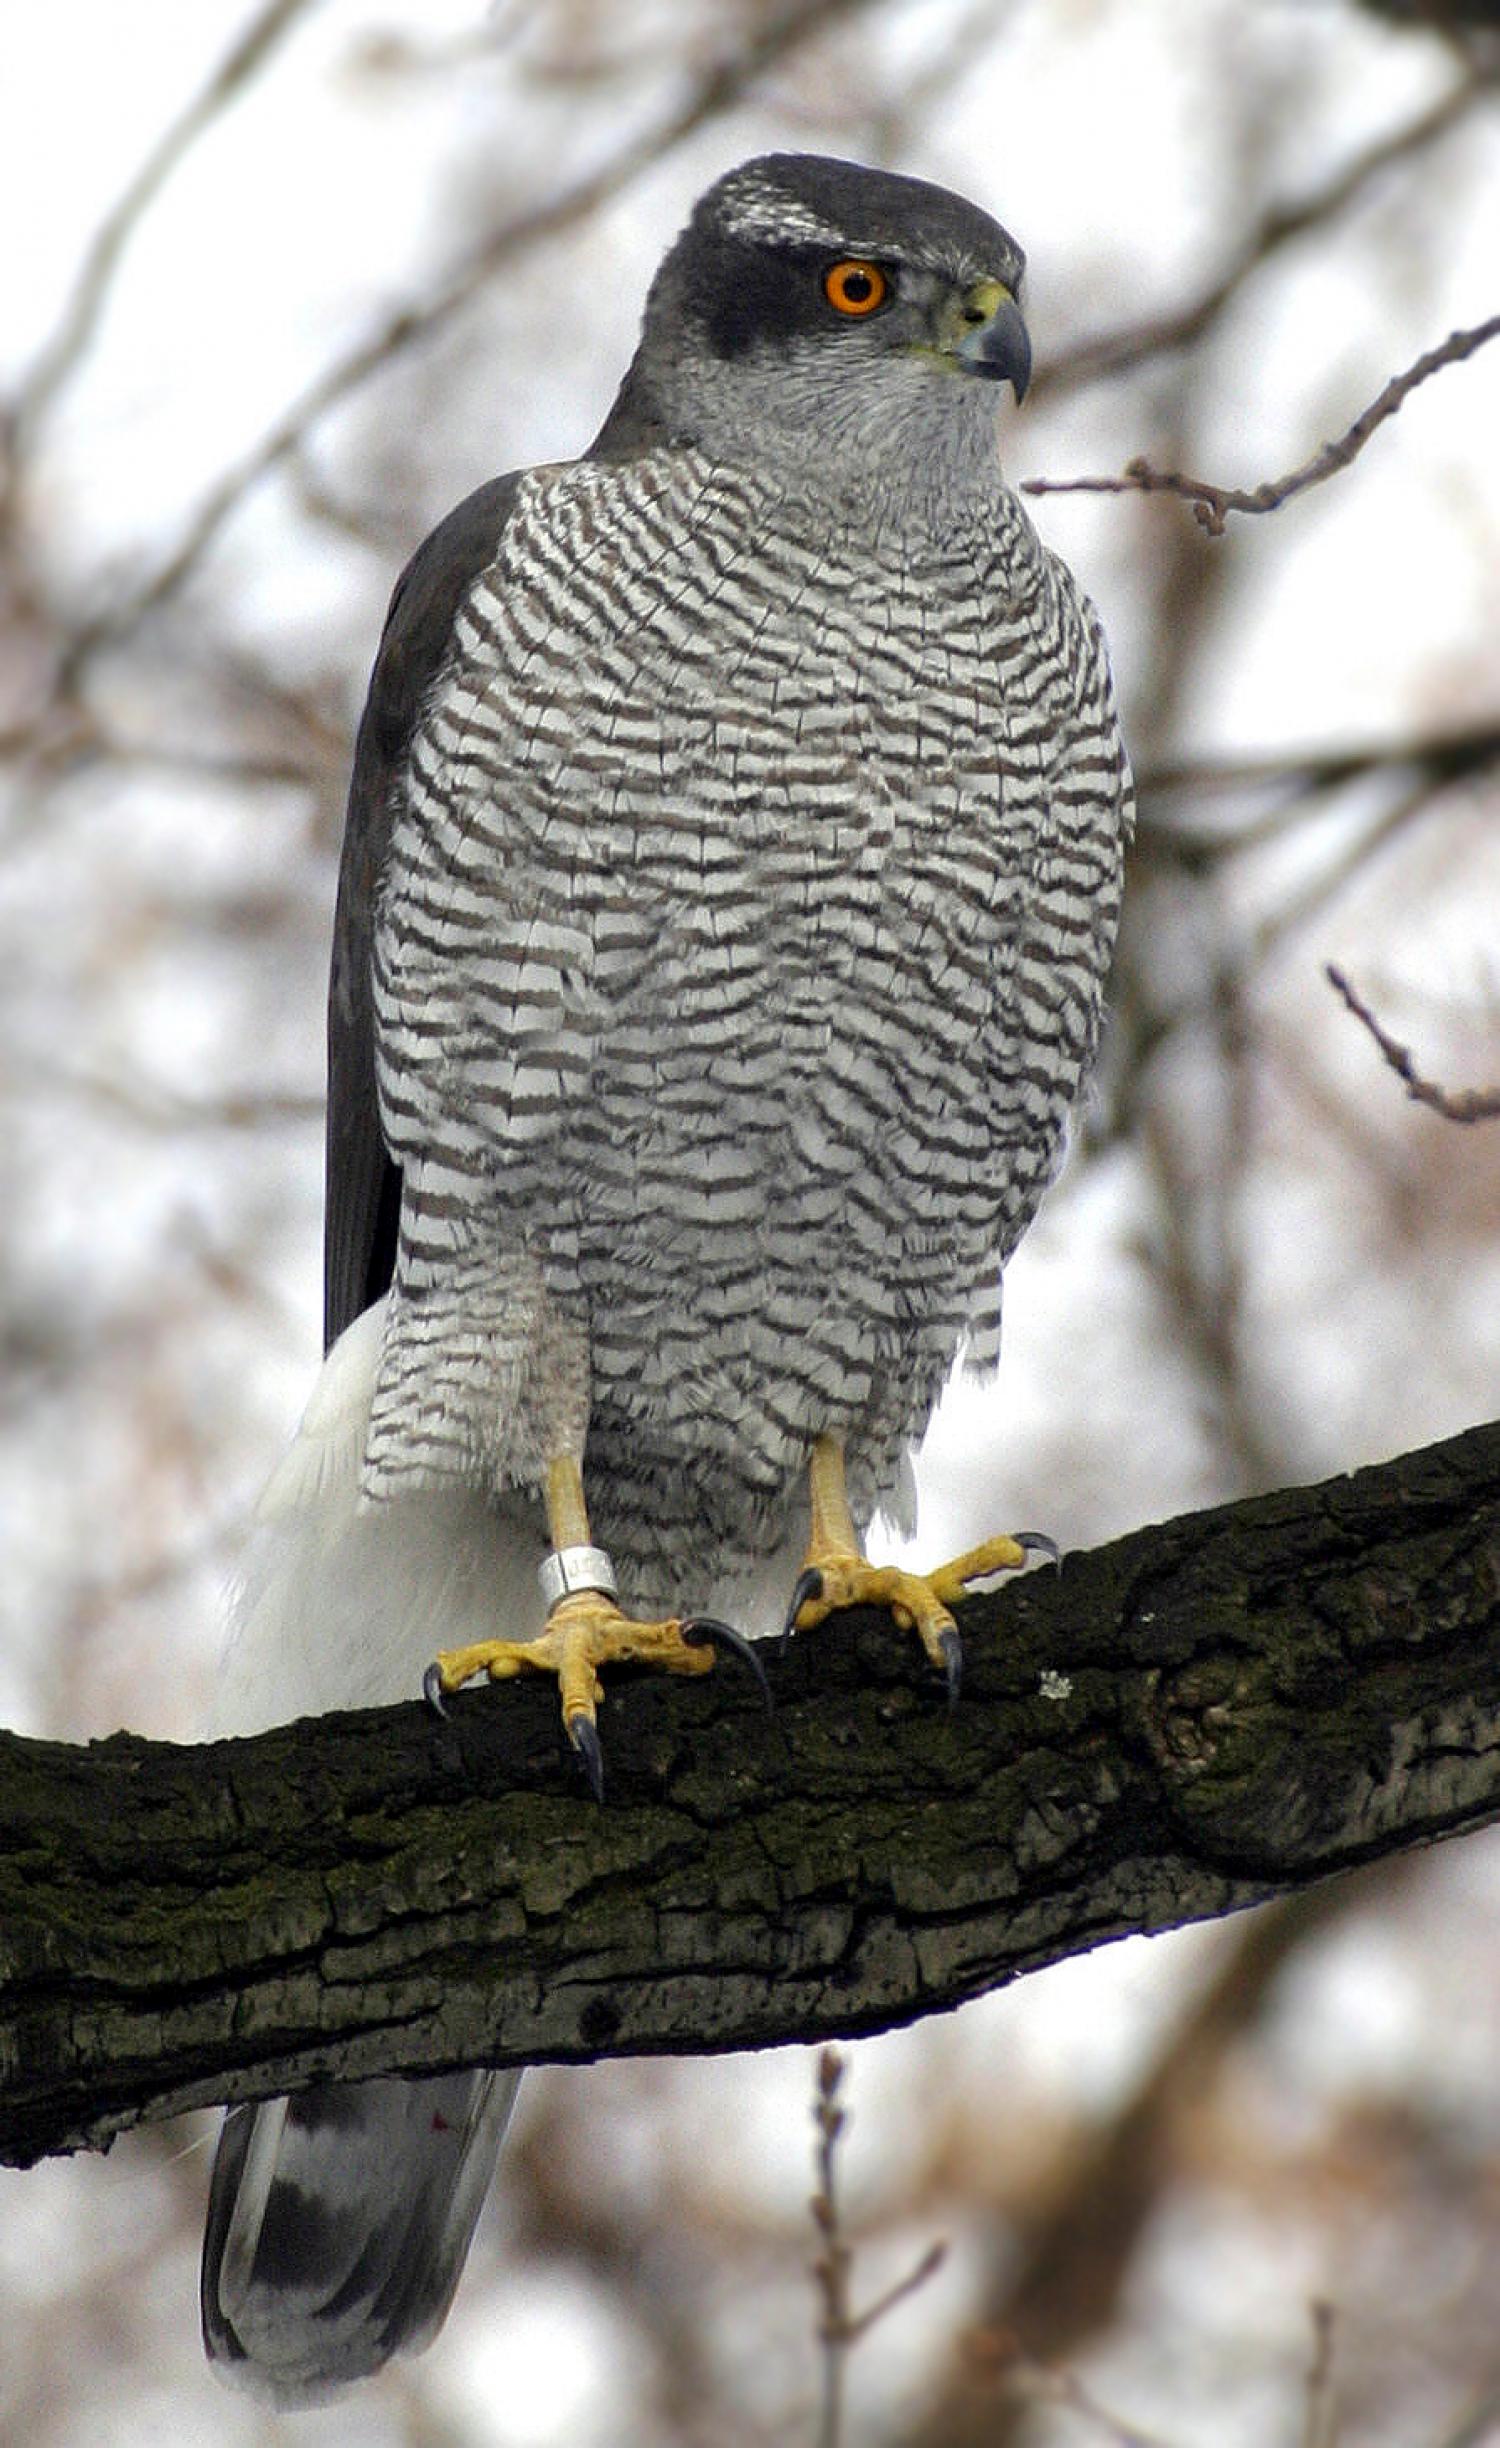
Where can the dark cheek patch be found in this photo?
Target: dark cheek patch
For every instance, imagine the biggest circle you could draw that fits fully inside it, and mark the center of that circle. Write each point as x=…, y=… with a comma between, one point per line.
x=748, y=297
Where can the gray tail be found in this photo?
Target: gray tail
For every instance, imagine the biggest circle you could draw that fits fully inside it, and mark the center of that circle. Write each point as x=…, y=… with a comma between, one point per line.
x=338, y=2226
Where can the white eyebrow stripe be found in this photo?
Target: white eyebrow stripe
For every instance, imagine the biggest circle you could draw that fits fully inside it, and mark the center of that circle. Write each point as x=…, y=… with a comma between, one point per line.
x=765, y=212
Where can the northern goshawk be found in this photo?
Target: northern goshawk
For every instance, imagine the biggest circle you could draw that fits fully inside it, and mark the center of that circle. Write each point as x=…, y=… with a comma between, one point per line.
x=732, y=865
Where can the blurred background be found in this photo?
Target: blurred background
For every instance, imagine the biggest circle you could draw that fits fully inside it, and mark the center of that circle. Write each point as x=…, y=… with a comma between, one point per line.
x=279, y=285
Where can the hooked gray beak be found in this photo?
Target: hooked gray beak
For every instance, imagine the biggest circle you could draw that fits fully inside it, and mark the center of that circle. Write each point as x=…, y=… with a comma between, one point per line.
x=996, y=343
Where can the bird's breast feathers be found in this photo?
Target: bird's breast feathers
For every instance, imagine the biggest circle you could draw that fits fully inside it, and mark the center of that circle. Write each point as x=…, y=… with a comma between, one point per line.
x=692, y=756
x=739, y=922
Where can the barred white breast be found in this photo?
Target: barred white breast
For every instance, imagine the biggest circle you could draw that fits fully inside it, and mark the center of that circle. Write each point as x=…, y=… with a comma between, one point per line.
x=738, y=961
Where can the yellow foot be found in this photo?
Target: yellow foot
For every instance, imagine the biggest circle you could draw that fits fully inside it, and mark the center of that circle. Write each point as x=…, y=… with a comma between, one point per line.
x=921, y=1601
x=584, y=1632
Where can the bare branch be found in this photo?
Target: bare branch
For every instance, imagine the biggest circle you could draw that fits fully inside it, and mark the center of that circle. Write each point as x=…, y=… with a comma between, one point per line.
x=832, y=2266
x=1293, y=786
x=1046, y=2384
x=1455, y=1105
x=1212, y=504
x=1063, y=2284
x=840, y=2327
x=1209, y=1713
x=924, y=2267
x=150, y=1106
x=1322, y=2424
x=1447, y=755
x=1205, y=1003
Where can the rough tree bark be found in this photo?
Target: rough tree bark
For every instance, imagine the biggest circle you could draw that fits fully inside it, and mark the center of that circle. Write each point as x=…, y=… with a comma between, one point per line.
x=1208, y=1713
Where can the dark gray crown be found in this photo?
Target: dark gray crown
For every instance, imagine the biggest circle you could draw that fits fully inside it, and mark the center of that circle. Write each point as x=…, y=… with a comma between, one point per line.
x=811, y=200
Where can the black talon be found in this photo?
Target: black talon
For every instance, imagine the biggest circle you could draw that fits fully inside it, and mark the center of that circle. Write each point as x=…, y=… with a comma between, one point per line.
x=953, y=1662
x=432, y=1690
x=809, y=1585
x=706, y=1632
x=583, y=1734
x=1036, y=1542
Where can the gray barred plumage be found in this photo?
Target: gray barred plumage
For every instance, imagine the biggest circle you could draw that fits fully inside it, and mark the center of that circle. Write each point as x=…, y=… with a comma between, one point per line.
x=739, y=955
x=731, y=873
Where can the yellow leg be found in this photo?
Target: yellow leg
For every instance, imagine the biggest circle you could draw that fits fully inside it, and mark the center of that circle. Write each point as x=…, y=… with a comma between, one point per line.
x=585, y=1629
x=567, y=1513
x=836, y=1574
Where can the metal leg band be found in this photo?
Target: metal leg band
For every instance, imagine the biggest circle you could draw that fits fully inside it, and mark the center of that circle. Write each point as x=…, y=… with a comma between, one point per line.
x=567, y=1569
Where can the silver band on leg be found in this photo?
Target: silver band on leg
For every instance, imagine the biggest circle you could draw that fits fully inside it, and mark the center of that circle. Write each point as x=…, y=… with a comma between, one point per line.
x=566, y=1569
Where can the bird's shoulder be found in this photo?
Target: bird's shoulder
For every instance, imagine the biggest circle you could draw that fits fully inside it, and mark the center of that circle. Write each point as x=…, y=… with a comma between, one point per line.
x=423, y=607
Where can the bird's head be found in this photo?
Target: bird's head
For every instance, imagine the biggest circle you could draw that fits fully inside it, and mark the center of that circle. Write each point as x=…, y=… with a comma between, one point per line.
x=814, y=308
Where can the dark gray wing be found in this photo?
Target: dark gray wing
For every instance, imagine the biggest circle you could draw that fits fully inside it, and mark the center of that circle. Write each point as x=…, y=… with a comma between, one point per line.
x=363, y=1198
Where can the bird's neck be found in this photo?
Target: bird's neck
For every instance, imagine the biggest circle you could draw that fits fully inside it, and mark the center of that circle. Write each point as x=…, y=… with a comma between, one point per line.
x=925, y=463
x=900, y=508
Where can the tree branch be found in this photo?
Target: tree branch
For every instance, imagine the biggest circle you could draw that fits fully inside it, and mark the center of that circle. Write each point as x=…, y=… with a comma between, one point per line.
x=1213, y=503
x=1454, y=1104
x=1210, y=1712
x=1440, y=756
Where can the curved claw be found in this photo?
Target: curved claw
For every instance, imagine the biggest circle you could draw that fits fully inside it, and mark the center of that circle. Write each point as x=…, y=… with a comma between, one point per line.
x=432, y=1690
x=1036, y=1542
x=706, y=1632
x=953, y=1661
x=583, y=1734
x=809, y=1585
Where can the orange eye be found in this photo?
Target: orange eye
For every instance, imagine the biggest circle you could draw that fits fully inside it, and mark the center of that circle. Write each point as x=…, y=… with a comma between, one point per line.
x=854, y=287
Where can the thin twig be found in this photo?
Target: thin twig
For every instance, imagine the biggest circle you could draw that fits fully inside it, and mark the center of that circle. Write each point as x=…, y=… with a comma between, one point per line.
x=153, y=1107
x=1061, y=2387
x=1321, y=2430
x=1160, y=1025
x=1449, y=753
x=1455, y=1105
x=932, y=2260
x=1303, y=786
x=832, y=2266
x=1324, y=887
x=840, y=2327
x=1213, y=503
